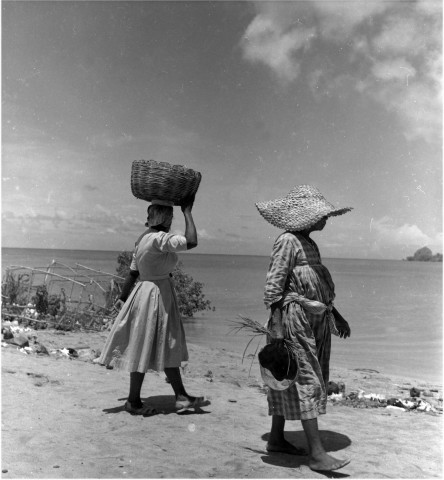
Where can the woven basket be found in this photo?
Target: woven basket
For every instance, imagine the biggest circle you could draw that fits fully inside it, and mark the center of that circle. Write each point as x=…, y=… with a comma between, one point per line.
x=162, y=181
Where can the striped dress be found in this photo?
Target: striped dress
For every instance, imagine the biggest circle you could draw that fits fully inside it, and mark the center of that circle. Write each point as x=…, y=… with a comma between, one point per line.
x=297, y=278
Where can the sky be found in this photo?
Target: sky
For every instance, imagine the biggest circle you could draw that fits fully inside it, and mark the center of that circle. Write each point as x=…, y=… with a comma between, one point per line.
x=257, y=96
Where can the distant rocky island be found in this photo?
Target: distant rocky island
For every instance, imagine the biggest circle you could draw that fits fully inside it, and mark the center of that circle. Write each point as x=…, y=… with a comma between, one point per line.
x=424, y=254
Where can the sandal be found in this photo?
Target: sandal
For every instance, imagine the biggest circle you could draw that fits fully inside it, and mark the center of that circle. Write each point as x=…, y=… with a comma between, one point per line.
x=196, y=404
x=145, y=410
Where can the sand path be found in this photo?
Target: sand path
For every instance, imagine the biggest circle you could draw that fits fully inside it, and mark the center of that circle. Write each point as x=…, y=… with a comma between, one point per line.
x=64, y=418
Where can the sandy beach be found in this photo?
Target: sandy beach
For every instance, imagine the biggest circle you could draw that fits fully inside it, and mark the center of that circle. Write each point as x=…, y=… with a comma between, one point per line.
x=63, y=417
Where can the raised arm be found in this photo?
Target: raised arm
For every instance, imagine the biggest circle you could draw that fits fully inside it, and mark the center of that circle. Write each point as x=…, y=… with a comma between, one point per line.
x=190, y=228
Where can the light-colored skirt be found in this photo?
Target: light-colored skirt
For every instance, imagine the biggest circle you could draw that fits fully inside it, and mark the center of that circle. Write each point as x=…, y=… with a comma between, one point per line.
x=148, y=333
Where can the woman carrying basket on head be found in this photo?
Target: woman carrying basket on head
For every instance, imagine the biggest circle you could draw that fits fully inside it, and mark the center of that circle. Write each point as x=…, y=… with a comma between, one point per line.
x=300, y=291
x=148, y=333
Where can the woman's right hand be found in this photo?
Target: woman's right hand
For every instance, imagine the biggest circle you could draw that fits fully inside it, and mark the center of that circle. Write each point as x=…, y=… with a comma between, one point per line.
x=278, y=341
x=188, y=203
x=276, y=326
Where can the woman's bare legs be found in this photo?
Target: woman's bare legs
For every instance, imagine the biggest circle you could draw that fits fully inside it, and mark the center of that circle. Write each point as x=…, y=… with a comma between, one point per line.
x=174, y=377
x=277, y=441
x=136, y=380
x=319, y=458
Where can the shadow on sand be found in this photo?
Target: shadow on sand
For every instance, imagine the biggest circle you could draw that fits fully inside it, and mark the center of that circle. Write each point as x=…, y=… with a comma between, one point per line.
x=164, y=404
x=332, y=442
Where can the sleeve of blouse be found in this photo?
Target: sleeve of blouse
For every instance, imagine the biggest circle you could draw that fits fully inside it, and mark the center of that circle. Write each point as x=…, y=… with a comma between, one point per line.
x=282, y=259
x=173, y=243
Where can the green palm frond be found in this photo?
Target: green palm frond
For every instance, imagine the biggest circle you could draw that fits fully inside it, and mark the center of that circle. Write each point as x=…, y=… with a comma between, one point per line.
x=249, y=325
x=256, y=329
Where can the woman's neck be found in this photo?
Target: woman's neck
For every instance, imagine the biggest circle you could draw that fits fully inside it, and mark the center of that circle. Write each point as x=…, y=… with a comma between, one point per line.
x=160, y=228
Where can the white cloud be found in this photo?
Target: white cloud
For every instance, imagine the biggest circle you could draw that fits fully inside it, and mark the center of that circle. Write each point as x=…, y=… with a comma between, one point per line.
x=338, y=19
x=394, y=52
x=385, y=232
x=398, y=69
x=430, y=7
x=266, y=41
x=96, y=220
x=399, y=35
x=418, y=106
x=410, y=40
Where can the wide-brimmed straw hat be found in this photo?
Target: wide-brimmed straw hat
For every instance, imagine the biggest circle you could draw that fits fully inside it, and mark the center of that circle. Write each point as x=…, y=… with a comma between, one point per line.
x=301, y=208
x=278, y=367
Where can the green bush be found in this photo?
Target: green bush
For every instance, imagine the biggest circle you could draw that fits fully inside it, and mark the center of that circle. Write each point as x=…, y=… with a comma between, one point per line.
x=189, y=292
x=123, y=263
x=41, y=299
x=15, y=288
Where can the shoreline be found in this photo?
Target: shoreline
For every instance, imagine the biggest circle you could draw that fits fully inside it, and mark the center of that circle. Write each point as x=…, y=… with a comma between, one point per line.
x=383, y=315
x=86, y=341
x=335, y=363
x=64, y=418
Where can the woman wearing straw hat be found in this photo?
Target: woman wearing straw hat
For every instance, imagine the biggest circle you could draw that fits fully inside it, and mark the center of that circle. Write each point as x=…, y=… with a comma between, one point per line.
x=299, y=291
x=148, y=333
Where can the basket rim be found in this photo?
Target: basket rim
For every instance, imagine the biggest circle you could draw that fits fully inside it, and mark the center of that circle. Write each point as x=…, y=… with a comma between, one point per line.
x=165, y=165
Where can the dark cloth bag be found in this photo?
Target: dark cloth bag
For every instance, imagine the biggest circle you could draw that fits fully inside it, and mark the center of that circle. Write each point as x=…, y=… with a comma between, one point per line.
x=277, y=359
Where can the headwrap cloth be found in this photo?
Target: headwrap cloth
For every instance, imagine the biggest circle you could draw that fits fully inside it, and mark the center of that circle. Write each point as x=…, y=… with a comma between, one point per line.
x=157, y=216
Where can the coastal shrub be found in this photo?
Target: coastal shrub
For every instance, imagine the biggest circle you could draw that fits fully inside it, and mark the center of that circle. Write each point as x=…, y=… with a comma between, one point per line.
x=15, y=288
x=123, y=263
x=57, y=303
x=189, y=292
x=41, y=299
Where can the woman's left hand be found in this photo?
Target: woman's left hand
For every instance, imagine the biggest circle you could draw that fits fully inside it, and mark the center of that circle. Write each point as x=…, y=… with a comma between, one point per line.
x=118, y=305
x=343, y=327
x=341, y=324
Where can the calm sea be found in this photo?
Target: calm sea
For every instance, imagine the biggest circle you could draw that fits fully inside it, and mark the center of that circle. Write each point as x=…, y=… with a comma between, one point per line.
x=394, y=308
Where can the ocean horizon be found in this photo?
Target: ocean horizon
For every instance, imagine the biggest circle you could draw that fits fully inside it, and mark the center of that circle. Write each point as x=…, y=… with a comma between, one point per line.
x=4, y=248
x=394, y=307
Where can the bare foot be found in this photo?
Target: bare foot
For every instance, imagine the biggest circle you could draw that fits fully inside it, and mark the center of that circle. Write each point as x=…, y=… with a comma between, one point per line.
x=326, y=463
x=285, y=447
